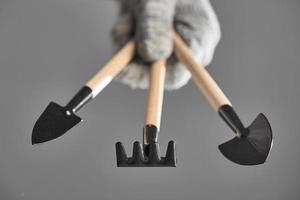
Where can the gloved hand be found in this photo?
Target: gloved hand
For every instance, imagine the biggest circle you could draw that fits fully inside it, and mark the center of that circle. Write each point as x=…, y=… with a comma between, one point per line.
x=151, y=23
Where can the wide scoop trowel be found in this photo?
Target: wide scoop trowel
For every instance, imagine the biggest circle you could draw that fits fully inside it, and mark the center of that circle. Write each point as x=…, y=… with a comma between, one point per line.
x=252, y=145
x=57, y=120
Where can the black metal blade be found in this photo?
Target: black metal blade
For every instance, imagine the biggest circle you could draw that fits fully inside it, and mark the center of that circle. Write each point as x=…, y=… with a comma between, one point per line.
x=53, y=123
x=252, y=149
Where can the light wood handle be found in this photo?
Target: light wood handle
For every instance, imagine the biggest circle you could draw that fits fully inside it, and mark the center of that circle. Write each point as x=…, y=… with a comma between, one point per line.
x=112, y=68
x=155, y=94
x=201, y=77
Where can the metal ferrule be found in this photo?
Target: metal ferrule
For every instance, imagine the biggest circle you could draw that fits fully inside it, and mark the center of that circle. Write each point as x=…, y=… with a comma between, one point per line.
x=150, y=134
x=83, y=96
x=228, y=114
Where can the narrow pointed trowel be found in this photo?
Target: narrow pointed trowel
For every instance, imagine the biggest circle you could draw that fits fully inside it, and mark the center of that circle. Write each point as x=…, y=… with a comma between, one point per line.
x=57, y=120
x=252, y=145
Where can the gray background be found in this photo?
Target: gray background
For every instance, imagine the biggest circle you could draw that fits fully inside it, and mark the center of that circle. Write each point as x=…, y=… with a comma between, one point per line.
x=49, y=48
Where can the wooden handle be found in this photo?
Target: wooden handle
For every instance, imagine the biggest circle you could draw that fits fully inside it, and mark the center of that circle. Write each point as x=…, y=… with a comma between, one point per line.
x=155, y=94
x=201, y=77
x=112, y=68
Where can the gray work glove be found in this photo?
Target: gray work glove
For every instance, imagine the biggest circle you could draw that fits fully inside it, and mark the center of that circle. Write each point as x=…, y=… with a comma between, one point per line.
x=151, y=23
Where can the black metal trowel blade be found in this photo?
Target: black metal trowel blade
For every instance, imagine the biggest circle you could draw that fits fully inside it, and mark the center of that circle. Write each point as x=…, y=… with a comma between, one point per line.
x=54, y=122
x=252, y=149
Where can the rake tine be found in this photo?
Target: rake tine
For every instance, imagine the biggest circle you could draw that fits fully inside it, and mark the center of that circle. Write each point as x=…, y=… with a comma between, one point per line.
x=121, y=154
x=171, y=155
x=154, y=155
x=138, y=154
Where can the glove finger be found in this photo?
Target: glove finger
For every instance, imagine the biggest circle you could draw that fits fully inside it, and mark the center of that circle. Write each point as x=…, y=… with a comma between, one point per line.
x=154, y=21
x=136, y=75
x=199, y=27
x=122, y=30
x=177, y=74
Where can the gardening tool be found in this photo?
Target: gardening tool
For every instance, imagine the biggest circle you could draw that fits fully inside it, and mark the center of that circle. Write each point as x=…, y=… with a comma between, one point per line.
x=57, y=120
x=252, y=145
x=148, y=155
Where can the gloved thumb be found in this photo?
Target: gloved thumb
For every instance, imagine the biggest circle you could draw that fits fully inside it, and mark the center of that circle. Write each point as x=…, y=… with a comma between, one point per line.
x=154, y=23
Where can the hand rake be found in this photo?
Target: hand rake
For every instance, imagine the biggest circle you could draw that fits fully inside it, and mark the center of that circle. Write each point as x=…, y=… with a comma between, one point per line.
x=148, y=155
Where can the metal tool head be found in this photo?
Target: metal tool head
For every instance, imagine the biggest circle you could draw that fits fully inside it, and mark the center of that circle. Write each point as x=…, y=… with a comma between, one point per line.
x=54, y=122
x=252, y=148
x=147, y=157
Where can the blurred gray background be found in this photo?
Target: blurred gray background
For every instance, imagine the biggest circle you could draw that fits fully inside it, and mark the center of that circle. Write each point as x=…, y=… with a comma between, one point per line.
x=48, y=49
